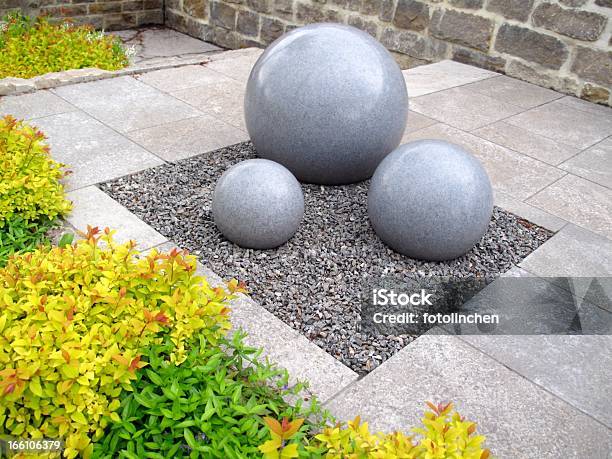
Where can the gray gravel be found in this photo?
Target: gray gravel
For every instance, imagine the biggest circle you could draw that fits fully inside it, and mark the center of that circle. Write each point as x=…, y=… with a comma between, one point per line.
x=312, y=282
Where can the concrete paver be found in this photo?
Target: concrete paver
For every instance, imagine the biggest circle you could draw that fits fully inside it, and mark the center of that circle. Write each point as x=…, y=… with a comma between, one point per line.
x=462, y=108
x=34, y=105
x=126, y=104
x=579, y=201
x=92, y=151
x=93, y=207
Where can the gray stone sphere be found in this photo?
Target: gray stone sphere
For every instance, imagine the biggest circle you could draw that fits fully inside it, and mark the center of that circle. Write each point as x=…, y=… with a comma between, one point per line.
x=258, y=204
x=328, y=102
x=430, y=200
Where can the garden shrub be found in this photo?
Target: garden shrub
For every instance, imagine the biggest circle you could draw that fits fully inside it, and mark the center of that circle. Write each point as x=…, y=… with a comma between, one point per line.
x=75, y=322
x=30, y=47
x=31, y=194
x=210, y=406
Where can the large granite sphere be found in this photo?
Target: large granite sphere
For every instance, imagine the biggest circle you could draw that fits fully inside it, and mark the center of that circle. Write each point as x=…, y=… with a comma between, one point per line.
x=258, y=204
x=328, y=102
x=430, y=200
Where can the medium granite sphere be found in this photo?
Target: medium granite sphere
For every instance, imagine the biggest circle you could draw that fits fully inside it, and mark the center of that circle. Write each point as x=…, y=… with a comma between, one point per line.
x=258, y=204
x=328, y=102
x=430, y=200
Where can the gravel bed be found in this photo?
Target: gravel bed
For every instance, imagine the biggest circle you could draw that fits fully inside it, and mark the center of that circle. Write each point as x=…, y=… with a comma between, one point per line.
x=312, y=282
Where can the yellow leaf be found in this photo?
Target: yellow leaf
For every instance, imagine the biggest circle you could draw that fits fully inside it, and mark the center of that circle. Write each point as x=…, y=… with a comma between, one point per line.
x=78, y=417
x=34, y=386
x=289, y=451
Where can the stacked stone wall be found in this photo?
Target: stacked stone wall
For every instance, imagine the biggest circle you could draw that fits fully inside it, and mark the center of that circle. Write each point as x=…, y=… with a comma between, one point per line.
x=102, y=14
x=565, y=45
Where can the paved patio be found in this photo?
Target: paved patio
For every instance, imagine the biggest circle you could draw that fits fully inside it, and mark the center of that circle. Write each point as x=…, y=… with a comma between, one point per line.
x=550, y=160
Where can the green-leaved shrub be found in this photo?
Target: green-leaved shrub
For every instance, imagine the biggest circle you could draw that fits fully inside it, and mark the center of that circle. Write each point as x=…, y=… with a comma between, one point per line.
x=31, y=47
x=76, y=324
x=212, y=405
x=32, y=196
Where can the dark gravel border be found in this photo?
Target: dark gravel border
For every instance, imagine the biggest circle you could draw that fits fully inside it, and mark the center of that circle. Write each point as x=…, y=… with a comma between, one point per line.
x=312, y=282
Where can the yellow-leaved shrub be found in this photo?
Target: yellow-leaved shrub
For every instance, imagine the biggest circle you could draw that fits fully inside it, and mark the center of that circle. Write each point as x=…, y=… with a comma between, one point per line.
x=444, y=435
x=29, y=179
x=72, y=321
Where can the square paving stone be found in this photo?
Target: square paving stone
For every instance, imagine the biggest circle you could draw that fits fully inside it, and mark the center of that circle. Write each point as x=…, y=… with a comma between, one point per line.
x=168, y=43
x=92, y=151
x=462, y=108
x=574, y=252
x=579, y=201
x=222, y=99
x=574, y=368
x=91, y=206
x=175, y=79
x=125, y=104
x=238, y=67
x=513, y=91
x=520, y=419
x=446, y=74
x=186, y=138
x=566, y=124
x=586, y=106
x=526, y=142
x=517, y=175
x=594, y=164
x=415, y=122
x=528, y=212
x=34, y=105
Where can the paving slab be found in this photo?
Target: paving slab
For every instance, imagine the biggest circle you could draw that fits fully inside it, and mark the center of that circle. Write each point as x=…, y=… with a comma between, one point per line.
x=175, y=79
x=34, y=105
x=161, y=42
x=574, y=252
x=237, y=67
x=579, y=201
x=462, y=108
x=222, y=99
x=520, y=419
x=586, y=106
x=125, y=104
x=528, y=212
x=92, y=151
x=186, y=138
x=93, y=207
x=415, y=122
x=594, y=164
x=512, y=173
x=574, y=368
x=446, y=74
x=526, y=142
x=564, y=123
x=513, y=91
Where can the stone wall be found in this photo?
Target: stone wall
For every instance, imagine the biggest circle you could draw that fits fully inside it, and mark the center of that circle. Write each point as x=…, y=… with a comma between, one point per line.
x=564, y=44
x=102, y=14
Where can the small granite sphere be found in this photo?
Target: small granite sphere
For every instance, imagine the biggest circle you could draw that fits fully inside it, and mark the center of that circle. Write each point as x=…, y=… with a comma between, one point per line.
x=258, y=204
x=430, y=200
x=328, y=102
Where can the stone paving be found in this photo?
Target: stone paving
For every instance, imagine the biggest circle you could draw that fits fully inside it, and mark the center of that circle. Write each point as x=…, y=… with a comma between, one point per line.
x=550, y=160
